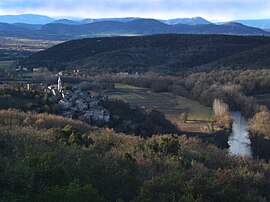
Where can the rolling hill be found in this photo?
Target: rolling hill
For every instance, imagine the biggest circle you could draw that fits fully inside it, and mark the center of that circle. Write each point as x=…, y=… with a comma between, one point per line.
x=257, y=58
x=259, y=23
x=11, y=30
x=163, y=53
x=66, y=22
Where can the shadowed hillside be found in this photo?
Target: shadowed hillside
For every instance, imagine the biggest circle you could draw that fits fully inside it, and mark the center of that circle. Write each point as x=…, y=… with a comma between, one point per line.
x=162, y=53
x=256, y=58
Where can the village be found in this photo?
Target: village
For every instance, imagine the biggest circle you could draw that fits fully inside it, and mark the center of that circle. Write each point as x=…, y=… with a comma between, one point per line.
x=72, y=102
x=75, y=104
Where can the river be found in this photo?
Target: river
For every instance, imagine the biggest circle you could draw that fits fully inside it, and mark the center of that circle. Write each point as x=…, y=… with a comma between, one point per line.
x=239, y=141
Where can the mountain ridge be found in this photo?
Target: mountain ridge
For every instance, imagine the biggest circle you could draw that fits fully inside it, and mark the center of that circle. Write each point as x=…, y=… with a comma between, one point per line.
x=60, y=31
x=259, y=23
x=188, y=21
x=43, y=19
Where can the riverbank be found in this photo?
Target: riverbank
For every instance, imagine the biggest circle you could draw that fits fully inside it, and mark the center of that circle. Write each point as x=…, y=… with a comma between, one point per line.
x=260, y=146
x=219, y=138
x=259, y=130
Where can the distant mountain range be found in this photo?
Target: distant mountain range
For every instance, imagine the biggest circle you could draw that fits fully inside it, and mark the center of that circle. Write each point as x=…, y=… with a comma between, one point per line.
x=187, y=21
x=88, y=20
x=262, y=24
x=42, y=20
x=26, y=18
x=60, y=31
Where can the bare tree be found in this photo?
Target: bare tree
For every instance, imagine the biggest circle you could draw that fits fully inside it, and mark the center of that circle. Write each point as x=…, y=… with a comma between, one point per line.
x=220, y=108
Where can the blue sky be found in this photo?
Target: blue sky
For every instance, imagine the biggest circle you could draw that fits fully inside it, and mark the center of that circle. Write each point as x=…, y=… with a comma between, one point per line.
x=165, y=9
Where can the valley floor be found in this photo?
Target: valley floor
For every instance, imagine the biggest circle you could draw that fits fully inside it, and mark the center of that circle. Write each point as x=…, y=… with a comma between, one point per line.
x=199, y=117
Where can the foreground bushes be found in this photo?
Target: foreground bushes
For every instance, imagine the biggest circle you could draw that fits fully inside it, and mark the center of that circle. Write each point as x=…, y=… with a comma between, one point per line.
x=42, y=121
x=37, y=164
x=261, y=124
x=259, y=128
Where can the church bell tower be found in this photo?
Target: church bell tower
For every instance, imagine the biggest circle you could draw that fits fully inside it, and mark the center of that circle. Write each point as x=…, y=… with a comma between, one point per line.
x=59, y=84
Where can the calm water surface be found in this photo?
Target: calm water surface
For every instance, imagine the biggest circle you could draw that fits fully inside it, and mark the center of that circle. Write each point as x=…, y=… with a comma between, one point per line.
x=239, y=141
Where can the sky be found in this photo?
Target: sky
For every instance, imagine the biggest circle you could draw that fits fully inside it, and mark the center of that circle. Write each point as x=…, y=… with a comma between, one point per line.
x=215, y=10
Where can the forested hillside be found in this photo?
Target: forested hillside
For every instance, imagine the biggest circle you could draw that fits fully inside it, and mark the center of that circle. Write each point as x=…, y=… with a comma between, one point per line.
x=160, y=53
x=50, y=158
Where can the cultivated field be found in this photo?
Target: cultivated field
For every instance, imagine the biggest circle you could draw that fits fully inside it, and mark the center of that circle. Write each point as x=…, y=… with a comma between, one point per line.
x=171, y=105
x=12, y=48
x=31, y=45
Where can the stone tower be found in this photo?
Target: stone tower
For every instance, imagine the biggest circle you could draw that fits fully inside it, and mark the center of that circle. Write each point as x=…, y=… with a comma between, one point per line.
x=59, y=84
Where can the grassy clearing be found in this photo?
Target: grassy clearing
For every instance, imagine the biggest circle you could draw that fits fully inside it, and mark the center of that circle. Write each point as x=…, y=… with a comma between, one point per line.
x=170, y=104
x=6, y=64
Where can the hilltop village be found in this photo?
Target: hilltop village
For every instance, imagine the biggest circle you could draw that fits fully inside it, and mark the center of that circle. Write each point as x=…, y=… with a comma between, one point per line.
x=84, y=106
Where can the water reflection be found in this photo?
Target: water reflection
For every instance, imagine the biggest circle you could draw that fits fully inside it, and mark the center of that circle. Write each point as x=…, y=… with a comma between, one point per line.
x=239, y=139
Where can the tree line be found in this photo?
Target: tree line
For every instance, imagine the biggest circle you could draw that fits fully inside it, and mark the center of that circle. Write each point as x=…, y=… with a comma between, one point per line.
x=233, y=87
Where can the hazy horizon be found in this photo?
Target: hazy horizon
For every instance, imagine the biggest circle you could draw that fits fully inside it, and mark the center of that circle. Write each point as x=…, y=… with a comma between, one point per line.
x=76, y=18
x=212, y=10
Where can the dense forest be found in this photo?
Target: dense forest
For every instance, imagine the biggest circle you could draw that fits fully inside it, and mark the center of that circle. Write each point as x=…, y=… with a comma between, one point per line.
x=50, y=158
x=169, y=54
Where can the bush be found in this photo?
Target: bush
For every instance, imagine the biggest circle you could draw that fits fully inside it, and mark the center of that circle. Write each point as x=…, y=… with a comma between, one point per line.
x=260, y=124
x=74, y=192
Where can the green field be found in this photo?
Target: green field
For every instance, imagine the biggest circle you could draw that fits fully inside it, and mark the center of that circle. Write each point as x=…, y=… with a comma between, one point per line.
x=263, y=99
x=6, y=64
x=170, y=104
